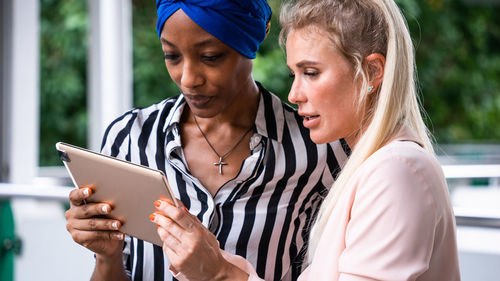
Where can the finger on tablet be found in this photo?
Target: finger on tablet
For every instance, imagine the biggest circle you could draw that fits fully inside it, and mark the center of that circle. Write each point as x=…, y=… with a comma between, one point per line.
x=96, y=224
x=89, y=210
x=78, y=196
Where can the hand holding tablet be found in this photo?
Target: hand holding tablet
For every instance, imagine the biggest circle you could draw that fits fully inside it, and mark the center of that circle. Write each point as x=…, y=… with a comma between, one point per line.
x=129, y=189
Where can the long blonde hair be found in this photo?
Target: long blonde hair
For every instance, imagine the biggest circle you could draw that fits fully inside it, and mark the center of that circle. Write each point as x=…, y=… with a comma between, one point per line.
x=359, y=28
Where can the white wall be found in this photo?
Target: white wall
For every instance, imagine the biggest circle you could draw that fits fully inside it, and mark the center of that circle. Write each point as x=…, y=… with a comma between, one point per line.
x=48, y=252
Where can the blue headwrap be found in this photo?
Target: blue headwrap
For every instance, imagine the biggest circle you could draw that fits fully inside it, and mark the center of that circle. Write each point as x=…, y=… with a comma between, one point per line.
x=241, y=24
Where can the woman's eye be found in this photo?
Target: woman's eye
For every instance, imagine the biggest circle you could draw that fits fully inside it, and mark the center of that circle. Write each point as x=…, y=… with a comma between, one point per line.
x=168, y=56
x=311, y=73
x=211, y=58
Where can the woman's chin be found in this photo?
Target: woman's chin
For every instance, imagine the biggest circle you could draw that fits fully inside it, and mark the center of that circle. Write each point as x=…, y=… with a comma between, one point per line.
x=320, y=136
x=319, y=139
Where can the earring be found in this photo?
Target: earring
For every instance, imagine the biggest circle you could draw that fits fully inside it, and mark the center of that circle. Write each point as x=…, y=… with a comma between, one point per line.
x=370, y=89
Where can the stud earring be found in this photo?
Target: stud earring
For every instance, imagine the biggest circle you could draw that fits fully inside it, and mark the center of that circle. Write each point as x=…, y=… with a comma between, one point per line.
x=370, y=89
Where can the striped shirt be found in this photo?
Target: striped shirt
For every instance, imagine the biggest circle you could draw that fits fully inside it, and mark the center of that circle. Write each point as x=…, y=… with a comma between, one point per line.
x=263, y=214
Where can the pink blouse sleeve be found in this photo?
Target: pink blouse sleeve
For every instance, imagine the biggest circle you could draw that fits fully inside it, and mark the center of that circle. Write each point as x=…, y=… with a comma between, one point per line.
x=391, y=230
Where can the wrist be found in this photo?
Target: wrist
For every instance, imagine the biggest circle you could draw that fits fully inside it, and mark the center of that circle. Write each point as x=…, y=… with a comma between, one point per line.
x=105, y=262
x=231, y=272
x=109, y=268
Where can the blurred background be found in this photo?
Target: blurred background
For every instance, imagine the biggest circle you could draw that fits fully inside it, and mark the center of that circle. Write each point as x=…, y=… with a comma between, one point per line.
x=69, y=67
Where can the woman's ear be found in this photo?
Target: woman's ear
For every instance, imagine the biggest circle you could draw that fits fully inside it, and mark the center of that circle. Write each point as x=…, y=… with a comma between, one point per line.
x=376, y=64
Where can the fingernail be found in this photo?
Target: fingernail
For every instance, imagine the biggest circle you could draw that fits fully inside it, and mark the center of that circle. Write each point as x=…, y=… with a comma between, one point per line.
x=86, y=191
x=157, y=203
x=157, y=226
x=105, y=209
x=115, y=225
x=185, y=209
x=152, y=217
x=119, y=236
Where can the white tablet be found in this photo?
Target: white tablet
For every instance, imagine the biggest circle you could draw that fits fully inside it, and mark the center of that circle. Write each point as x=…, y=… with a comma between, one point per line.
x=129, y=188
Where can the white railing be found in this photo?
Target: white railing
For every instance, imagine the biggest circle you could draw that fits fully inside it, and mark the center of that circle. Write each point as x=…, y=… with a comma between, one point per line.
x=492, y=172
x=464, y=216
x=59, y=193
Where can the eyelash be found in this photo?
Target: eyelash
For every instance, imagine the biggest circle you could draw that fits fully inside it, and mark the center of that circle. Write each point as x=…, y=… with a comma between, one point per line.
x=170, y=57
x=212, y=58
x=310, y=74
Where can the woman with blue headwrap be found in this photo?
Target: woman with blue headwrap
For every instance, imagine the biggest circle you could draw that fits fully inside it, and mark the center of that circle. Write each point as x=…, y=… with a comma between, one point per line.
x=237, y=157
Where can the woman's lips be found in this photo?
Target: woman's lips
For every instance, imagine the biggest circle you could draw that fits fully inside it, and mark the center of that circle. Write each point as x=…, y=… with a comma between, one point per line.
x=310, y=121
x=198, y=100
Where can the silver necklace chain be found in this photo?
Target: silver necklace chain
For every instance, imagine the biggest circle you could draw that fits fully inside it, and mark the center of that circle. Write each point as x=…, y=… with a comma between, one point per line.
x=220, y=163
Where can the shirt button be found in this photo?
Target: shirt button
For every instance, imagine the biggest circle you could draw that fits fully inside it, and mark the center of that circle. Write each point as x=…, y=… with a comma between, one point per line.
x=254, y=141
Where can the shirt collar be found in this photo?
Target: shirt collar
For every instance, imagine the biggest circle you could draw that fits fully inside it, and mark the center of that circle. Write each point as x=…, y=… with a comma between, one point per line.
x=405, y=133
x=174, y=116
x=270, y=118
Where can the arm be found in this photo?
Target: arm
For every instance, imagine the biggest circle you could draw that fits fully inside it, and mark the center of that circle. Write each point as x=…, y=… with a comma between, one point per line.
x=99, y=235
x=193, y=250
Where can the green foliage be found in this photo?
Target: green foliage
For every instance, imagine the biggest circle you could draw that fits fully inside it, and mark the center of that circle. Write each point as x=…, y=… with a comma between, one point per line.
x=457, y=53
x=458, y=61
x=270, y=65
x=63, y=41
x=151, y=80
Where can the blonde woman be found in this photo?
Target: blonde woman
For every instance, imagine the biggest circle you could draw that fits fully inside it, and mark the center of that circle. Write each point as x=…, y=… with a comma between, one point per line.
x=388, y=216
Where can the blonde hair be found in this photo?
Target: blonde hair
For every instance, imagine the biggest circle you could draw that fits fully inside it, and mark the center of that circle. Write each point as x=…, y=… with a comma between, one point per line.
x=359, y=28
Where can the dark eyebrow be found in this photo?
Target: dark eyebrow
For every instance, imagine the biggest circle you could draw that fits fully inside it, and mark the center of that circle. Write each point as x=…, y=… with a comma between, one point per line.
x=198, y=44
x=165, y=41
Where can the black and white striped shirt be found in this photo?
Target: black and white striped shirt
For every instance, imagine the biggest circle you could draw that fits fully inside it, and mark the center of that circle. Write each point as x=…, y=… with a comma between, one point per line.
x=263, y=214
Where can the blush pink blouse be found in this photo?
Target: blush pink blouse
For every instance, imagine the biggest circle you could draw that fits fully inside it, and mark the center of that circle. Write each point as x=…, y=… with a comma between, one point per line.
x=394, y=221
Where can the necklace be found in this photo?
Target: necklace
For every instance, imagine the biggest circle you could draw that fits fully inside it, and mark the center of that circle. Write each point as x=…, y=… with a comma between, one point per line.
x=220, y=163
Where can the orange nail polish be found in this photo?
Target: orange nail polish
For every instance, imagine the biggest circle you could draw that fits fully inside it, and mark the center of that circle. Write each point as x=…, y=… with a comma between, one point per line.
x=185, y=209
x=157, y=203
x=152, y=217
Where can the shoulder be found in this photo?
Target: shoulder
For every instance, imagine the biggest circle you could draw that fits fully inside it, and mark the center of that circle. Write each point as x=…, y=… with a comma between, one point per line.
x=139, y=115
x=403, y=157
x=399, y=173
x=135, y=119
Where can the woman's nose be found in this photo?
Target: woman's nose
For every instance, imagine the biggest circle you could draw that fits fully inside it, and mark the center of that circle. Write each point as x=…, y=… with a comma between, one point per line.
x=295, y=96
x=191, y=76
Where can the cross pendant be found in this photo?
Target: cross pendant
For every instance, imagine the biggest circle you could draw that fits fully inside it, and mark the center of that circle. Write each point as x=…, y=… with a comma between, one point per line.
x=220, y=164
